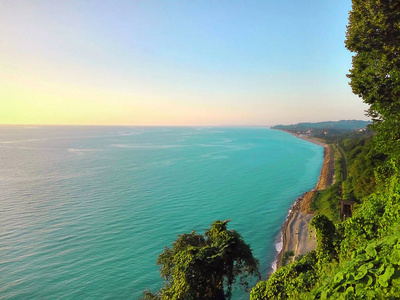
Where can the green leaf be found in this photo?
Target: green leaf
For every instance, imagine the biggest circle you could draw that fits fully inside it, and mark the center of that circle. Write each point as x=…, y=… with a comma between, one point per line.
x=371, y=250
x=349, y=278
x=373, y=271
x=338, y=277
x=362, y=257
x=382, y=268
x=371, y=294
x=383, y=283
x=370, y=280
x=349, y=293
x=396, y=277
x=324, y=295
x=362, y=272
x=384, y=278
x=391, y=240
x=360, y=290
x=395, y=257
x=367, y=280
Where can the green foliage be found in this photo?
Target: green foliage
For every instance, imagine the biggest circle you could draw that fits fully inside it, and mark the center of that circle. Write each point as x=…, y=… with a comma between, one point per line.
x=372, y=273
x=368, y=247
x=355, y=259
x=327, y=239
x=326, y=130
x=205, y=267
x=356, y=164
x=326, y=202
x=362, y=160
x=373, y=34
x=288, y=282
x=373, y=218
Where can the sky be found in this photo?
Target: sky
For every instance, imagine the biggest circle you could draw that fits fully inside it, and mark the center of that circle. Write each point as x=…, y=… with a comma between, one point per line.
x=175, y=63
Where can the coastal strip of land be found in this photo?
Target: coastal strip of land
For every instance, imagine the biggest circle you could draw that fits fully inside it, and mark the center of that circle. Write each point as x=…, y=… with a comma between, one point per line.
x=296, y=235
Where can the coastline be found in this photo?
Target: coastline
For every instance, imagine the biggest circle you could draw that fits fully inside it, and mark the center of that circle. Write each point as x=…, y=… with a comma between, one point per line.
x=295, y=233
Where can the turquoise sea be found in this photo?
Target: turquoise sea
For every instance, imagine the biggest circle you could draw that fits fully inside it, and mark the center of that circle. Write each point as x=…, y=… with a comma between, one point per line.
x=85, y=211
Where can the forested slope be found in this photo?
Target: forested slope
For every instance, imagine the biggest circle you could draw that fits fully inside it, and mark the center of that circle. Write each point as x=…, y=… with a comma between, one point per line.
x=358, y=258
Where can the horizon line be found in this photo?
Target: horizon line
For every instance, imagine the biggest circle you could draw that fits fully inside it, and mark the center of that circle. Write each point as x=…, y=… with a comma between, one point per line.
x=174, y=125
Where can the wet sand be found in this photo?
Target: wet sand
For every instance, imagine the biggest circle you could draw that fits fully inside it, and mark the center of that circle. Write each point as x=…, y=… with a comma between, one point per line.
x=296, y=235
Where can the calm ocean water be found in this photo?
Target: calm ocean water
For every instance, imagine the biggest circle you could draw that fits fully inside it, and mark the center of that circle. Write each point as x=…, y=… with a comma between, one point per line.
x=85, y=211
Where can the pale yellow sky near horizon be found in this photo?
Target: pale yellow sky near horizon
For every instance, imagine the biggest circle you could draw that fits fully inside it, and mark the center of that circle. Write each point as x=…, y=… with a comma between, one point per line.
x=30, y=97
x=66, y=63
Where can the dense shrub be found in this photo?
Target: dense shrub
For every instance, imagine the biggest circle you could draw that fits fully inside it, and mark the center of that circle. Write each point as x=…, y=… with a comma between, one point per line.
x=288, y=282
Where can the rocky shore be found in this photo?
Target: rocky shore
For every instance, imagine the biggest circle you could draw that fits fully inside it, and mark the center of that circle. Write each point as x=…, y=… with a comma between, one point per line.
x=296, y=235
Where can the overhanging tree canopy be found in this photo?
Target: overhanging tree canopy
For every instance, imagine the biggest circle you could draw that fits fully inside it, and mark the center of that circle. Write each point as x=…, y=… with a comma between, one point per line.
x=373, y=34
x=205, y=267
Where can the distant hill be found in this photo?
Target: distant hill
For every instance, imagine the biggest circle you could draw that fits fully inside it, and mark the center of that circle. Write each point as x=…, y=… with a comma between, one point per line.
x=329, y=128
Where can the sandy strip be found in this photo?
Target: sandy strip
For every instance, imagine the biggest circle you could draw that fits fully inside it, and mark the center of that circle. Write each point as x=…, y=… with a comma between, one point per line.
x=296, y=235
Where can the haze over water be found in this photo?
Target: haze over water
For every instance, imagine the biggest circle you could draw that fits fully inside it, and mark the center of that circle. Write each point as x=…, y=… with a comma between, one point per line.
x=85, y=211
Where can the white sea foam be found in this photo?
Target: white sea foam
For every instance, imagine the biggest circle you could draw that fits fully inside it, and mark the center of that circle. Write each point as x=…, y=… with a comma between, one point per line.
x=228, y=149
x=27, y=148
x=55, y=138
x=146, y=146
x=208, y=145
x=208, y=155
x=278, y=247
x=225, y=141
x=219, y=157
x=22, y=141
x=83, y=150
x=129, y=133
x=279, y=243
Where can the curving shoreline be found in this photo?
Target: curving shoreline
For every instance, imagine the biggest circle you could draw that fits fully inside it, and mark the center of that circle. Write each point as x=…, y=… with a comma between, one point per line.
x=295, y=233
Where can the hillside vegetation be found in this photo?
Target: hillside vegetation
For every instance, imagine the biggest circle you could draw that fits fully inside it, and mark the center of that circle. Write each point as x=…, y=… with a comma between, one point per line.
x=342, y=245
x=326, y=129
x=358, y=258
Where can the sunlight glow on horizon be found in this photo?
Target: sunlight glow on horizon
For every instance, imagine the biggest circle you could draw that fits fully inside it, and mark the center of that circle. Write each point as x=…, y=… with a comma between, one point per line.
x=134, y=63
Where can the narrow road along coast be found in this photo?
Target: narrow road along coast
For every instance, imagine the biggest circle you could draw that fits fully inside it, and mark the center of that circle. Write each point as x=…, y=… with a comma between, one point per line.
x=296, y=235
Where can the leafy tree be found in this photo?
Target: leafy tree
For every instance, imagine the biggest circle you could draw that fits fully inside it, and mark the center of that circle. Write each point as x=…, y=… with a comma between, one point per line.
x=373, y=34
x=326, y=238
x=205, y=267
